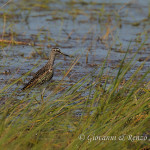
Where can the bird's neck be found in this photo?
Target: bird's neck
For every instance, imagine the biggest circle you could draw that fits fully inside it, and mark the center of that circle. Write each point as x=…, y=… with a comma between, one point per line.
x=51, y=60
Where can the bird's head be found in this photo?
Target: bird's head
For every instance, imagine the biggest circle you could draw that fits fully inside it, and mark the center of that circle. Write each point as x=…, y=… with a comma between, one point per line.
x=57, y=51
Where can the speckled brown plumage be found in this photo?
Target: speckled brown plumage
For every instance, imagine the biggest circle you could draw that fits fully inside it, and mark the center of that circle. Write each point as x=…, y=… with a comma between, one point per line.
x=45, y=74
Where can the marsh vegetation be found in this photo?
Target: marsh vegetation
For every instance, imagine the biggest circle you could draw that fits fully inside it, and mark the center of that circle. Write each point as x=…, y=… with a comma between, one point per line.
x=101, y=92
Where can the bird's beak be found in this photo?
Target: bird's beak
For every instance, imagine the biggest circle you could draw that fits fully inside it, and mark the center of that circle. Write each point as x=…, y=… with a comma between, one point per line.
x=65, y=54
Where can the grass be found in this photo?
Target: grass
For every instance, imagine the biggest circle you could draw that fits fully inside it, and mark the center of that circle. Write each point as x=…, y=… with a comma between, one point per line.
x=89, y=114
x=81, y=116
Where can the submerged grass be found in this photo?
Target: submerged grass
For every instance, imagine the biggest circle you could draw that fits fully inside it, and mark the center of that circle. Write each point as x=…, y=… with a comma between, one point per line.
x=86, y=115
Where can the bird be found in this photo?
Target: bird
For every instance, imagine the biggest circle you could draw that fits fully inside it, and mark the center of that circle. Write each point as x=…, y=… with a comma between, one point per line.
x=45, y=74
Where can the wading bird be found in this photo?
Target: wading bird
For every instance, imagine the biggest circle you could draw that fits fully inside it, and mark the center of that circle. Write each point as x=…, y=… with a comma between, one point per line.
x=45, y=74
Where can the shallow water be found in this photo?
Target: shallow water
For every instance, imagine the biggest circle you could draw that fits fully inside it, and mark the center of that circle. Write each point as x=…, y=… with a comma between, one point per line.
x=77, y=28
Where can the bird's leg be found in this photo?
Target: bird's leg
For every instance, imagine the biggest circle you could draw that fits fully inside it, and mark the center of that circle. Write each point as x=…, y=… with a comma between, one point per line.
x=42, y=95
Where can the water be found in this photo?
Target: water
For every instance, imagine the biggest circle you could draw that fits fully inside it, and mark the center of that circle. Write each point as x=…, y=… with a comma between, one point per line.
x=77, y=29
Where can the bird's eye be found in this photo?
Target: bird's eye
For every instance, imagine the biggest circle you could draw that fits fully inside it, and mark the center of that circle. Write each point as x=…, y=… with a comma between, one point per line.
x=56, y=49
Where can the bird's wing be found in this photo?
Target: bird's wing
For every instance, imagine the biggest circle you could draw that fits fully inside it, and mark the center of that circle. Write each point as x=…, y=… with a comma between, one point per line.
x=39, y=74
